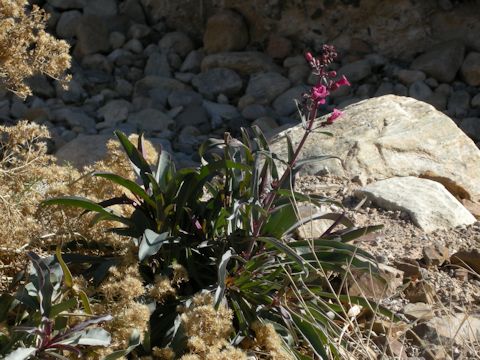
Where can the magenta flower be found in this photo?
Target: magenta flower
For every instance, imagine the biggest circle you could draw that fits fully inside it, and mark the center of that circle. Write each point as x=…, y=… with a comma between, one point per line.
x=319, y=93
x=308, y=56
x=341, y=82
x=335, y=115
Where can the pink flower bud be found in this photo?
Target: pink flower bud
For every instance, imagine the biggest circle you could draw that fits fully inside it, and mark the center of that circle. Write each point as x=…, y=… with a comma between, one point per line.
x=335, y=114
x=308, y=56
x=332, y=74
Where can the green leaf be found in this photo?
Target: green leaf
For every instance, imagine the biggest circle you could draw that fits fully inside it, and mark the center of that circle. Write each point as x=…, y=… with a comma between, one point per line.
x=75, y=201
x=63, y=306
x=151, y=243
x=352, y=234
x=67, y=275
x=45, y=287
x=95, y=337
x=222, y=275
x=291, y=152
x=140, y=165
x=163, y=166
x=21, y=353
x=6, y=301
x=311, y=334
x=132, y=344
x=284, y=248
x=86, y=303
x=132, y=186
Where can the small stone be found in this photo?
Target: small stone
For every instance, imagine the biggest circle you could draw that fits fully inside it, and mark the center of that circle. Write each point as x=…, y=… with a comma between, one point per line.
x=83, y=150
x=254, y=111
x=400, y=90
x=134, y=45
x=102, y=8
x=264, y=87
x=150, y=120
x=267, y=124
x=92, y=36
x=476, y=101
x=114, y=112
x=116, y=39
x=244, y=63
x=222, y=99
x=285, y=105
x=177, y=42
x=391, y=346
x=138, y=31
x=218, y=81
x=68, y=4
x=157, y=64
x=408, y=77
x=223, y=111
x=470, y=205
x=470, y=69
x=278, y=47
x=435, y=255
x=385, y=88
x=298, y=74
x=471, y=127
x=458, y=103
x=467, y=259
x=420, y=91
x=193, y=115
x=373, y=286
x=184, y=98
x=461, y=274
x=356, y=71
x=123, y=87
x=225, y=31
x=418, y=311
x=410, y=268
x=442, y=61
x=67, y=24
x=192, y=62
x=420, y=291
x=184, y=77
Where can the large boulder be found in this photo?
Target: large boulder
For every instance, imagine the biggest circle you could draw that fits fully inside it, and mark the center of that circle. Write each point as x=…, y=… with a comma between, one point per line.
x=392, y=136
x=225, y=31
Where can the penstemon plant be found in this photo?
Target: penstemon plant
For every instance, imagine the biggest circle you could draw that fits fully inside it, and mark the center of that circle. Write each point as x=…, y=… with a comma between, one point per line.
x=231, y=224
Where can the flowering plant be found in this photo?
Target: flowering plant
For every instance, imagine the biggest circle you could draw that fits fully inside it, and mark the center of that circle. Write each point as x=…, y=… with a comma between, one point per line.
x=230, y=225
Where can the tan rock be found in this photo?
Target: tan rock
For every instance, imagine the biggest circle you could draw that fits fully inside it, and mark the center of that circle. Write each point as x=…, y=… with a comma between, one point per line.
x=418, y=311
x=467, y=259
x=391, y=136
x=435, y=255
x=225, y=31
x=375, y=287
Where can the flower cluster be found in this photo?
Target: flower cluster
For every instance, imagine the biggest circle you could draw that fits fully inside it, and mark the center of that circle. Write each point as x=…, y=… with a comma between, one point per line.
x=327, y=81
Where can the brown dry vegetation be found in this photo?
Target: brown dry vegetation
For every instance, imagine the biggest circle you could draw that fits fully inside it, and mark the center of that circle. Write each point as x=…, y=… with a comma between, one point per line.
x=26, y=48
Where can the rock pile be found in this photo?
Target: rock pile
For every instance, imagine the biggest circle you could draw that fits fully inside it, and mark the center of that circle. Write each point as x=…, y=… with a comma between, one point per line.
x=133, y=73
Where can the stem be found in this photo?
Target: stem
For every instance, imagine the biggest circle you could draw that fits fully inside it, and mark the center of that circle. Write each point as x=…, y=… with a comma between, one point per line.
x=272, y=195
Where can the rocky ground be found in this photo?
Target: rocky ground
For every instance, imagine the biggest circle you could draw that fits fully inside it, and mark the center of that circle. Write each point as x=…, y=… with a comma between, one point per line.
x=432, y=289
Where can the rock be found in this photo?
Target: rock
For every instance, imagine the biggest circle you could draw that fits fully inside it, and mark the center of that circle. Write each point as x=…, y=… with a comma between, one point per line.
x=472, y=206
x=150, y=120
x=97, y=62
x=298, y=73
x=145, y=86
x=193, y=115
x=392, y=136
x=254, y=111
x=217, y=81
x=285, y=105
x=435, y=255
x=189, y=140
x=225, y=31
x=103, y=8
x=429, y=205
x=157, y=65
x=420, y=291
x=420, y=91
x=68, y=4
x=114, y=112
x=462, y=328
x=192, y=62
x=83, y=150
x=67, y=24
x=133, y=45
x=356, y=70
x=471, y=127
x=408, y=77
x=177, y=42
x=266, y=124
x=442, y=61
x=133, y=10
x=467, y=259
x=385, y=88
x=116, y=39
x=458, y=103
x=139, y=31
x=73, y=94
x=92, y=36
x=74, y=117
x=41, y=86
x=476, y=101
x=391, y=346
x=410, y=267
x=278, y=47
x=244, y=63
x=123, y=87
x=399, y=89
x=264, y=87
x=223, y=111
x=418, y=311
x=471, y=69
x=365, y=284
x=184, y=98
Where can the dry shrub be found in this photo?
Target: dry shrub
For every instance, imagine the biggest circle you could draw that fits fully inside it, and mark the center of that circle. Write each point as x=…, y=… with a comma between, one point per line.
x=26, y=48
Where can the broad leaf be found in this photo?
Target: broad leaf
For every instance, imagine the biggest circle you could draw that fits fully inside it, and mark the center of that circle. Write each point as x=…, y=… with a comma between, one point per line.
x=151, y=243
